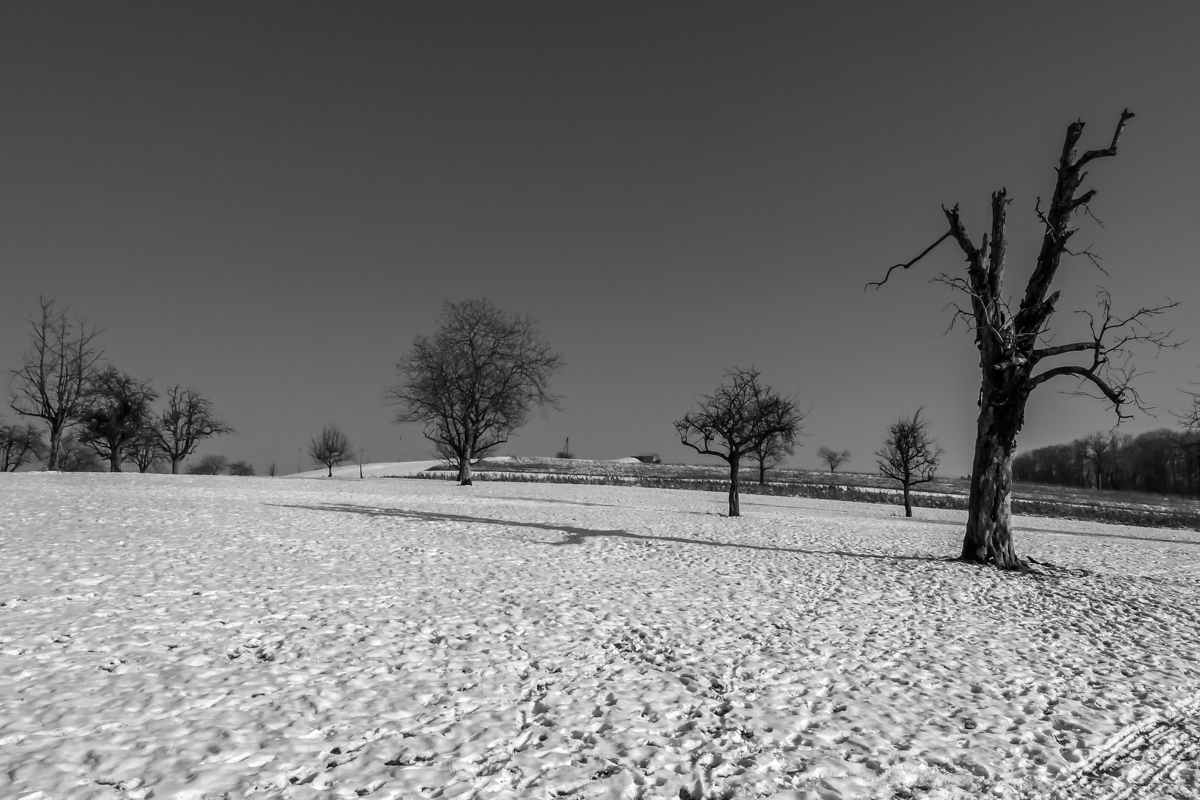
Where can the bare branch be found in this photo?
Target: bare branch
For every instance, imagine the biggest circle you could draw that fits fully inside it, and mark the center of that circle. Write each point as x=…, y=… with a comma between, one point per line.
x=1111, y=150
x=908, y=264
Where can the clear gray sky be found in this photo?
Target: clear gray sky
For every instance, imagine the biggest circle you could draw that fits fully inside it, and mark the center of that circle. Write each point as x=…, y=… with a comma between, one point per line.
x=267, y=201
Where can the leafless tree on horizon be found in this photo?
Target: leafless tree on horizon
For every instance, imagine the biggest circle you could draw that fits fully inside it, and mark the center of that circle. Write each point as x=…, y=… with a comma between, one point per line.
x=475, y=381
x=735, y=420
x=770, y=454
x=331, y=448
x=1012, y=346
x=187, y=420
x=19, y=445
x=833, y=458
x=49, y=385
x=116, y=410
x=909, y=455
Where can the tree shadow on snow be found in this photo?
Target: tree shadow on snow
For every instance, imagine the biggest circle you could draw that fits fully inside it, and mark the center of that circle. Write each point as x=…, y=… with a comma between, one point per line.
x=577, y=536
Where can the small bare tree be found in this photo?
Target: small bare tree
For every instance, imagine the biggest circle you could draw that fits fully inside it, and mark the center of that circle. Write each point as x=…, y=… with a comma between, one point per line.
x=1014, y=346
x=475, y=381
x=331, y=448
x=735, y=420
x=73, y=456
x=19, y=445
x=242, y=469
x=116, y=410
x=271, y=470
x=770, y=454
x=833, y=458
x=360, y=459
x=187, y=420
x=909, y=455
x=54, y=372
x=143, y=450
x=209, y=465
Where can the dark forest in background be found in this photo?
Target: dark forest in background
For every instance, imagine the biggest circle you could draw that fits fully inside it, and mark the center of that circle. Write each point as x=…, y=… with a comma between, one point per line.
x=1164, y=461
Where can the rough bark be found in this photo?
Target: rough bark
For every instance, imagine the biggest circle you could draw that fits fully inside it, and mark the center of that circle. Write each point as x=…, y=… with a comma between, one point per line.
x=464, y=470
x=735, y=507
x=988, y=537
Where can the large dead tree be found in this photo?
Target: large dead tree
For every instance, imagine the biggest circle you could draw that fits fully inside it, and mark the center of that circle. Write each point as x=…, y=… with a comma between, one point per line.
x=1014, y=349
x=54, y=373
x=734, y=421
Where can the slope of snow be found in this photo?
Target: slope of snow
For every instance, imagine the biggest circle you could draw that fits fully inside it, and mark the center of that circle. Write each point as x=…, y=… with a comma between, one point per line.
x=391, y=469
x=198, y=637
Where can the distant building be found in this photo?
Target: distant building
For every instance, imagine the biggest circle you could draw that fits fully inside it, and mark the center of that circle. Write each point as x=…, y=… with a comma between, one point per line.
x=649, y=458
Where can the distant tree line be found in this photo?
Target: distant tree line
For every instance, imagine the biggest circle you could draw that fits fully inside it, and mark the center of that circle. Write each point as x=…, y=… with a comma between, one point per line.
x=1163, y=461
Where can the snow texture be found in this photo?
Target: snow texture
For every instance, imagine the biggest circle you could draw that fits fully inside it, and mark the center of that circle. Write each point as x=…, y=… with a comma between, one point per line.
x=197, y=637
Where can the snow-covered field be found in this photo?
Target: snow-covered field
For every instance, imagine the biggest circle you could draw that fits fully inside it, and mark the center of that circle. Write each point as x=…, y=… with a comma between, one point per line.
x=200, y=637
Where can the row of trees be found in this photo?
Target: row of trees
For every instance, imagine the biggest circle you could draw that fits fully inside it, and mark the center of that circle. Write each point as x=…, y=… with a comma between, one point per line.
x=1163, y=461
x=483, y=372
x=86, y=405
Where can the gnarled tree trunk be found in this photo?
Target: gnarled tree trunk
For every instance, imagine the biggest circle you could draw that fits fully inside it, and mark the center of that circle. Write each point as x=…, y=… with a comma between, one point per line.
x=735, y=509
x=988, y=537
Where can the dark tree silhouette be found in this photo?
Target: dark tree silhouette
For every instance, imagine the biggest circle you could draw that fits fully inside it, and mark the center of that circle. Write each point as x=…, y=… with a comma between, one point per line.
x=209, y=465
x=1012, y=346
x=331, y=448
x=475, y=380
x=116, y=410
x=19, y=445
x=143, y=449
x=187, y=420
x=73, y=456
x=54, y=372
x=833, y=458
x=770, y=454
x=735, y=420
x=242, y=469
x=909, y=455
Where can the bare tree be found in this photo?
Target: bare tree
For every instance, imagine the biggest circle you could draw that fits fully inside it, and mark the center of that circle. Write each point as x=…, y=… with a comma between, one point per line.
x=210, y=465
x=475, y=380
x=271, y=470
x=73, y=456
x=331, y=448
x=143, y=449
x=909, y=455
x=770, y=454
x=242, y=469
x=360, y=459
x=735, y=420
x=50, y=382
x=1012, y=346
x=19, y=445
x=187, y=420
x=116, y=409
x=833, y=458
x=1101, y=450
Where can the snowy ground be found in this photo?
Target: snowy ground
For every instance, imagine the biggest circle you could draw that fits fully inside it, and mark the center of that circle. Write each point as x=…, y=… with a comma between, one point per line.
x=198, y=637
x=390, y=469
